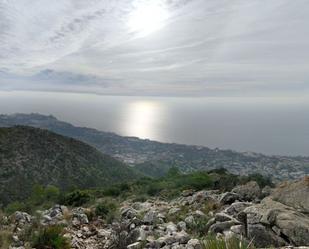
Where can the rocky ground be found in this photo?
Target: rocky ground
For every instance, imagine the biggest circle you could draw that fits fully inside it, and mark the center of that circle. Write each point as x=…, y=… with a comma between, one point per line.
x=261, y=217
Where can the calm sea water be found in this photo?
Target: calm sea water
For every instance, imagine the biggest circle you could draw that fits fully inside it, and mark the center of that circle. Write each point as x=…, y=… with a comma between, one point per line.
x=271, y=126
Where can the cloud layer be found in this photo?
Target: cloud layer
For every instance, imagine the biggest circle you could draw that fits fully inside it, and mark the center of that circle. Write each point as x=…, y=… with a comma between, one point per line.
x=214, y=47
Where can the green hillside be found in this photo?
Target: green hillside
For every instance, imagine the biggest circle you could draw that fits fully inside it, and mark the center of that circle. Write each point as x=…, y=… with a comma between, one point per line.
x=30, y=156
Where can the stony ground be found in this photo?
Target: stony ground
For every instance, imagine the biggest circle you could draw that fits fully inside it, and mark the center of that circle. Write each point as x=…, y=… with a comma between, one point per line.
x=266, y=218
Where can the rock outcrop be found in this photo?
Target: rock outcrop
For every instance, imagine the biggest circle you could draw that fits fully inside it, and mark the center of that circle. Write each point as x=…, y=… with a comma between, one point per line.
x=278, y=220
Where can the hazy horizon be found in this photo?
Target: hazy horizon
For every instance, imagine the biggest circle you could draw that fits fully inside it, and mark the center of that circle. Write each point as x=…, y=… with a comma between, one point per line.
x=263, y=125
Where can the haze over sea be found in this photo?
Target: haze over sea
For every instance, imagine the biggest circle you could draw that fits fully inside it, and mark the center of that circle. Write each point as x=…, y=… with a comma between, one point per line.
x=267, y=125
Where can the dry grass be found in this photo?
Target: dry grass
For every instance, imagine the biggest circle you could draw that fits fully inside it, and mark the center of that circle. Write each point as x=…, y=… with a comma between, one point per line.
x=5, y=239
x=306, y=181
x=211, y=205
x=233, y=243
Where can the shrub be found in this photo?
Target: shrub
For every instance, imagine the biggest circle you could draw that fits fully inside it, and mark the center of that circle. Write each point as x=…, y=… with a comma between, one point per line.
x=52, y=193
x=173, y=172
x=76, y=198
x=154, y=189
x=199, y=228
x=197, y=181
x=112, y=191
x=15, y=206
x=211, y=205
x=106, y=210
x=50, y=238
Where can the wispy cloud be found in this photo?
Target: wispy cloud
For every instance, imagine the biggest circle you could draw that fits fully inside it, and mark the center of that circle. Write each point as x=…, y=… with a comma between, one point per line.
x=220, y=47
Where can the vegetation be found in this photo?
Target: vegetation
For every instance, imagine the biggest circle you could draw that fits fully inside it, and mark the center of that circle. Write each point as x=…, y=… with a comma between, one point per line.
x=50, y=237
x=5, y=238
x=32, y=156
x=213, y=243
x=106, y=210
x=76, y=198
x=140, y=190
x=199, y=226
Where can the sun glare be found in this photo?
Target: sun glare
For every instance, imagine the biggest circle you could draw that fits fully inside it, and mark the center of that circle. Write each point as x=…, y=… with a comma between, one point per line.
x=147, y=17
x=143, y=115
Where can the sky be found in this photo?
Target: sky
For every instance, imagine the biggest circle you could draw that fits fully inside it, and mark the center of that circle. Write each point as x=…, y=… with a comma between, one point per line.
x=156, y=47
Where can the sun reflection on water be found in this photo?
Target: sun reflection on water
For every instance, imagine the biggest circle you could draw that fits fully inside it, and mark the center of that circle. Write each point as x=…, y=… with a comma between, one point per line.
x=143, y=117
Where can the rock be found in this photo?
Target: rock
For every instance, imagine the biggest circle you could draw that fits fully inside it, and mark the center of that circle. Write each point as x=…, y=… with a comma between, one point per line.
x=229, y=198
x=79, y=217
x=294, y=194
x=219, y=227
x=193, y=244
x=293, y=225
x=150, y=217
x=171, y=228
x=266, y=191
x=221, y=217
x=182, y=225
x=136, y=245
x=182, y=237
x=198, y=213
x=188, y=192
x=21, y=218
x=263, y=237
x=189, y=220
x=238, y=229
x=210, y=223
x=16, y=242
x=236, y=208
x=248, y=192
x=128, y=213
x=174, y=210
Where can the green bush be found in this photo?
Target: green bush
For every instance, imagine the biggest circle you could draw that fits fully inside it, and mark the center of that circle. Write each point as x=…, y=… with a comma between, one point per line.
x=52, y=193
x=106, y=210
x=199, y=227
x=16, y=206
x=50, y=238
x=76, y=198
x=112, y=191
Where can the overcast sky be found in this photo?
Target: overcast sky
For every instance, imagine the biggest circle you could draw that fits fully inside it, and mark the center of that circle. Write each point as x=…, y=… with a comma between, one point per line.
x=156, y=47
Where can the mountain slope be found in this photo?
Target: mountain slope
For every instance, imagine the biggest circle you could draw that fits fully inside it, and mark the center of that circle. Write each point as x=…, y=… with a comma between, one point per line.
x=31, y=156
x=155, y=158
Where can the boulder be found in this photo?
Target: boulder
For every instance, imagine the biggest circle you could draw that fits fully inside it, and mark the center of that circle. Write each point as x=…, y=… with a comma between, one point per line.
x=181, y=225
x=79, y=217
x=220, y=227
x=248, y=192
x=291, y=226
x=189, y=220
x=174, y=210
x=182, y=237
x=229, y=198
x=128, y=213
x=150, y=217
x=294, y=194
x=236, y=207
x=264, y=237
x=194, y=244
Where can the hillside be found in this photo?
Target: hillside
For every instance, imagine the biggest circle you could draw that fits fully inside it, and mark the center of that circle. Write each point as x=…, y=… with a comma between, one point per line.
x=31, y=156
x=155, y=158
